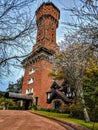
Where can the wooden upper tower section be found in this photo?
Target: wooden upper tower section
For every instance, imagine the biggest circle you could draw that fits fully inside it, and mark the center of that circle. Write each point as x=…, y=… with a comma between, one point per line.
x=47, y=17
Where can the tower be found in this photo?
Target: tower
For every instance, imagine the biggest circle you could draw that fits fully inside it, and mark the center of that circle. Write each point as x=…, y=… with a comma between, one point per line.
x=37, y=66
x=47, y=16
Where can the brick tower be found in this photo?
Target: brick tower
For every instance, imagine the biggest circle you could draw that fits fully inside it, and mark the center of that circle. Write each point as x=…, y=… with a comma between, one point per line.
x=37, y=66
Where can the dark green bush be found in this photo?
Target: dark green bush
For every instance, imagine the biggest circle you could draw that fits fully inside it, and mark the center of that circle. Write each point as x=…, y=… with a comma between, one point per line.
x=1, y=108
x=76, y=111
x=33, y=107
x=16, y=108
x=49, y=110
x=94, y=114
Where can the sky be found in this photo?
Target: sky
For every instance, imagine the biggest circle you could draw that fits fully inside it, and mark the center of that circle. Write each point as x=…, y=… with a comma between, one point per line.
x=64, y=16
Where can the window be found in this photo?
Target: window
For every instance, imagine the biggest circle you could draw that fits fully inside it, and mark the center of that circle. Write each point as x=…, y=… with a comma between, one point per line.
x=57, y=105
x=66, y=94
x=31, y=81
x=73, y=94
x=36, y=101
x=68, y=90
x=70, y=94
x=29, y=91
x=52, y=28
x=48, y=95
x=32, y=71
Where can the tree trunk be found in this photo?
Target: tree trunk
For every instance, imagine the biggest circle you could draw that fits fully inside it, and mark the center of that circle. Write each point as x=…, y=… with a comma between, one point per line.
x=86, y=115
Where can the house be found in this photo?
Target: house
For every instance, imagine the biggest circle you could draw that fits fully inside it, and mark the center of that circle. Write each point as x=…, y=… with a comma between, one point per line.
x=60, y=96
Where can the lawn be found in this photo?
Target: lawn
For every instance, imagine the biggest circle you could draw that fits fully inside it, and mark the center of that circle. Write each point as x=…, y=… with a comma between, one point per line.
x=65, y=117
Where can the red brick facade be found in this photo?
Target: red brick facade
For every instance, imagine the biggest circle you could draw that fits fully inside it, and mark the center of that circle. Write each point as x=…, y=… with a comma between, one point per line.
x=37, y=81
x=47, y=16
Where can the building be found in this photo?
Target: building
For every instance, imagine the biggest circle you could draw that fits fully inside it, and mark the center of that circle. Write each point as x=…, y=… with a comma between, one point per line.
x=60, y=96
x=37, y=66
x=38, y=87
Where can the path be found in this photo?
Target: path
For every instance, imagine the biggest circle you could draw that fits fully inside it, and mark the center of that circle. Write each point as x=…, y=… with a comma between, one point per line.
x=23, y=120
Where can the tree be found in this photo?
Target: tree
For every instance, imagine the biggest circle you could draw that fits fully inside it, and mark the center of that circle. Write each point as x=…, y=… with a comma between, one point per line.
x=71, y=65
x=17, y=26
x=84, y=23
x=5, y=103
x=91, y=88
x=15, y=87
x=2, y=94
x=83, y=28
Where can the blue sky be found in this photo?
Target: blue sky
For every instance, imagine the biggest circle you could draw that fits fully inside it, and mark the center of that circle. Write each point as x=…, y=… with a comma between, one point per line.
x=64, y=16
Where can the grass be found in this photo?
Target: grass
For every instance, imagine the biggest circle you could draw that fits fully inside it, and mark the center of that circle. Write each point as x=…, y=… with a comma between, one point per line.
x=65, y=117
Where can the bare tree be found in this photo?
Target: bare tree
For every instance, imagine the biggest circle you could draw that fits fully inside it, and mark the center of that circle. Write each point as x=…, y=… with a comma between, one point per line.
x=71, y=65
x=17, y=26
x=82, y=28
x=84, y=23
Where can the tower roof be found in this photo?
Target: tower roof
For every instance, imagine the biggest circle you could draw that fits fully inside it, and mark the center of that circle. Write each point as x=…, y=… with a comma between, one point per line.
x=48, y=3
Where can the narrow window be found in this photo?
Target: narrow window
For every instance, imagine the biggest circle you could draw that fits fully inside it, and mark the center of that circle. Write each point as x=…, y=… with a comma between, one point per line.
x=32, y=71
x=30, y=80
x=68, y=90
x=29, y=91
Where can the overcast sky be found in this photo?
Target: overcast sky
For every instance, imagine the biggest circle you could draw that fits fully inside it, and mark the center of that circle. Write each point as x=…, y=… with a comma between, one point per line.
x=64, y=16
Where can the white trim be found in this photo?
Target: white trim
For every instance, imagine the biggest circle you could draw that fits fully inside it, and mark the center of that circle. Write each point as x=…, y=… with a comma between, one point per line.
x=31, y=71
x=30, y=80
x=29, y=91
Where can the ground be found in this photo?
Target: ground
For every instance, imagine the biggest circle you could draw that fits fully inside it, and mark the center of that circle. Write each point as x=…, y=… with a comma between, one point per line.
x=24, y=120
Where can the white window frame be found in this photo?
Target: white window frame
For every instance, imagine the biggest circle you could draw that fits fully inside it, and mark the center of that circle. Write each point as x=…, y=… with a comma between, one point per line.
x=48, y=95
x=31, y=71
x=30, y=81
x=29, y=91
x=68, y=89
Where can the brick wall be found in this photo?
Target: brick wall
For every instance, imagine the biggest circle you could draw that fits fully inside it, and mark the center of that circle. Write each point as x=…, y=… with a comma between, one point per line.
x=42, y=81
x=47, y=21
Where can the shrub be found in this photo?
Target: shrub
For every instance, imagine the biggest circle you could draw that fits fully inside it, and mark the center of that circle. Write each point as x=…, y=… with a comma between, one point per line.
x=49, y=110
x=94, y=114
x=16, y=108
x=33, y=107
x=76, y=111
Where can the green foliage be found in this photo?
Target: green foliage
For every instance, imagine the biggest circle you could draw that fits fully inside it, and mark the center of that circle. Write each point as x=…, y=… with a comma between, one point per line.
x=94, y=114
x=33, y=107
x=76, y=111
x=2, y=94
x=16, y=107
x=58, y=74
x=49, y=110
x=78, y=65
x=15, y=87
x=91, y=89
x=66, y=117
x=5, y=103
